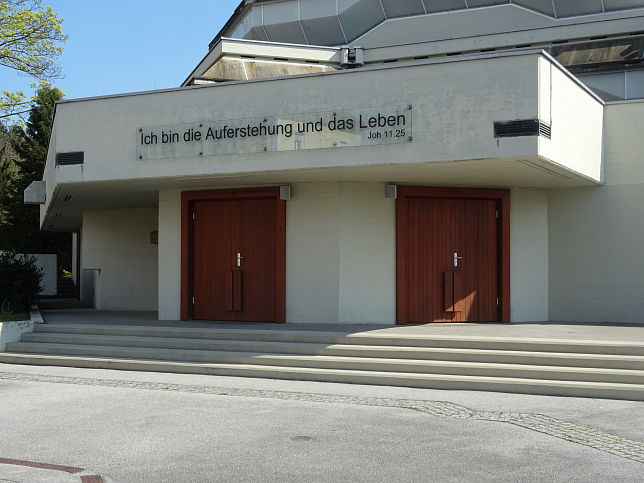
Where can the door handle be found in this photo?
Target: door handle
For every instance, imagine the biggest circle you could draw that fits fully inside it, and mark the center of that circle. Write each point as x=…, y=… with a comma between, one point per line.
x=456, y=259
x=239, y=259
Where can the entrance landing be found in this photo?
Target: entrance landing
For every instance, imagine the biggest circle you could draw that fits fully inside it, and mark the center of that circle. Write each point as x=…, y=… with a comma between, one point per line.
x=550, y=330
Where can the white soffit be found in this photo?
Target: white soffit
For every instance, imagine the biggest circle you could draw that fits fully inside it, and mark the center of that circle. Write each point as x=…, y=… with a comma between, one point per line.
x=265, y=50
x=65, y=213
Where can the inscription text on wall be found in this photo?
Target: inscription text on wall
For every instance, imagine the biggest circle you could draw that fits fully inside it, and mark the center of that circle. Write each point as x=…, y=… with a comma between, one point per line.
x=290, y=132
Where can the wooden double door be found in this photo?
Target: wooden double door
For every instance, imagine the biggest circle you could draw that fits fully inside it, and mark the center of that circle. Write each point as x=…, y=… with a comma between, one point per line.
x=238, y=256
x=449, y=258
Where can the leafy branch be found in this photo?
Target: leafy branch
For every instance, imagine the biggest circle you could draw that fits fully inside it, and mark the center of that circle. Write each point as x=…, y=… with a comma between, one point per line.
x=31, y=39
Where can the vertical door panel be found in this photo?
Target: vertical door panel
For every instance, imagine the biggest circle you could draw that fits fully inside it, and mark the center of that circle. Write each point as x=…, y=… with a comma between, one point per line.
x=222, y=289
x=237, y=294
x=436, y=290
x=256, y=243
x=428, y=248
x=459, y=306
x=475, y=235
x=213, y=242
x=228, y=291
x=449, y=290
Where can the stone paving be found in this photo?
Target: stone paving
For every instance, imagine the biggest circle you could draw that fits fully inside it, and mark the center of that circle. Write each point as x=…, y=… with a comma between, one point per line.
x=602, y=441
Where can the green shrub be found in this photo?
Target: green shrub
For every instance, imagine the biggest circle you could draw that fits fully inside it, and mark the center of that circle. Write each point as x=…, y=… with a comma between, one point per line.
x=19, y=282
x=10, y=316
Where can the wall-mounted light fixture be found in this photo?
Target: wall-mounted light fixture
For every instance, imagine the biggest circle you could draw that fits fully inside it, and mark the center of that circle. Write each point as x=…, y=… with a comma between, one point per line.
x=391, y=191
x=285, y=192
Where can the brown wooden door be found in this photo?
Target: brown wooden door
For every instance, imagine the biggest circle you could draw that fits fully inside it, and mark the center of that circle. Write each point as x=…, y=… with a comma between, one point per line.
x=234, y=259
x=451, y=260
x=475, y=239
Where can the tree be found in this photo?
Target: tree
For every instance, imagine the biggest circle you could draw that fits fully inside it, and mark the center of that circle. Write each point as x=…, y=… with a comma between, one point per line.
x=31, y=38
x=8, y=172
x=31, y=143
x=19, y=223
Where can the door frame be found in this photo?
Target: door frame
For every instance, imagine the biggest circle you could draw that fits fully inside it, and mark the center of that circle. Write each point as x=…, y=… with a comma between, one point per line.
x=188, y=198
x=500, y=195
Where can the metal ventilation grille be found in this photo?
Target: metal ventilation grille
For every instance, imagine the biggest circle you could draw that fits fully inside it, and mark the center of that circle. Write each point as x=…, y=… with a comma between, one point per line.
x=544, y=129
x=64, y=159
x=521, y=127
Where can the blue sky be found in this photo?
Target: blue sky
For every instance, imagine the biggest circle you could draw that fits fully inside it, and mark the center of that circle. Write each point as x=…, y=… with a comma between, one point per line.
x=130, y=45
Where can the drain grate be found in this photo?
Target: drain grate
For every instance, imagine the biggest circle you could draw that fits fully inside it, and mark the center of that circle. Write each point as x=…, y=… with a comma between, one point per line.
x=301, y=438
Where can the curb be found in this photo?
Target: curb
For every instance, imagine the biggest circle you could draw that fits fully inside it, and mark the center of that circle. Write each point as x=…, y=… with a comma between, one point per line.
x=36, y=316
x=11, y=331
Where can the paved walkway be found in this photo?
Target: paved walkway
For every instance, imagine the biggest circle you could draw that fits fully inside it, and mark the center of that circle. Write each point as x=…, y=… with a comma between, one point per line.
x=170, y=427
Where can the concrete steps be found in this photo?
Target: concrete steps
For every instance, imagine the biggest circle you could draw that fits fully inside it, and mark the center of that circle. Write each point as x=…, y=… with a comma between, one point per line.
x=66, y=288
x=534, y=366
x=606, y=361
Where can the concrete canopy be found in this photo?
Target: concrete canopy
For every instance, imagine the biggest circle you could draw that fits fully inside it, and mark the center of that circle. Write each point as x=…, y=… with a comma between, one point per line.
x=455, y=105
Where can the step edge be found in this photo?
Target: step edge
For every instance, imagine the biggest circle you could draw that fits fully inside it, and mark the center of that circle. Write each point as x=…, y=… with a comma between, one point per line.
x=491, y=379
x=314, y=345
x=338, y=359
x=264, y=332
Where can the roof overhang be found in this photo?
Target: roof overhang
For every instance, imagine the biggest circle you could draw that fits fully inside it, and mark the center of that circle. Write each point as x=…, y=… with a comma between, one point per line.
x=456, y=103
x=71, y=199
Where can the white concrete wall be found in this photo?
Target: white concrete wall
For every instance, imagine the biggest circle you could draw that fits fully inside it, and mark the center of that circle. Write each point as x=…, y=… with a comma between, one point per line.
x=616, y=85
x=340, y=245
x=170, y=255
x=454, y=106
x=50, y=174
x=367, y=268
x=47, y=264
x=312, y=253
x=528, y=255
x=117, y=242
x=90, y=288
x=609, y=85
x=597, y=234
x=12, y=331
x=75, y=274
x=576, y=116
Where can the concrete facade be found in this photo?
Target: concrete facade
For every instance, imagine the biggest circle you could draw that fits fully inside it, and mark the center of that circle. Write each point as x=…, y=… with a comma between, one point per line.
x=466, y=96
x=574, y=183
x=47, y=264
x=116, y=244
x=169, y=251
x=596, y=234
x=13, y=330
x=344, y=234
x=341, y=246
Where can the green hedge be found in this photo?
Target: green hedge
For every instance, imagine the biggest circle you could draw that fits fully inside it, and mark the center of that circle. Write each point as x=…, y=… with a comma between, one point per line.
x=19, y=282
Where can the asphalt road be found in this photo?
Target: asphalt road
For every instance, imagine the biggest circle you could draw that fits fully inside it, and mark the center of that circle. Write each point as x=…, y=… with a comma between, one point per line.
x=131, y=427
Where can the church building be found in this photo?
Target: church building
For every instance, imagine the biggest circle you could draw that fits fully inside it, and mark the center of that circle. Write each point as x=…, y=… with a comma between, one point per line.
x=370, y=161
